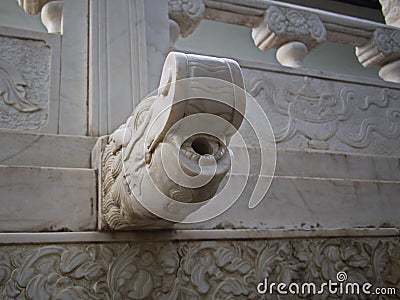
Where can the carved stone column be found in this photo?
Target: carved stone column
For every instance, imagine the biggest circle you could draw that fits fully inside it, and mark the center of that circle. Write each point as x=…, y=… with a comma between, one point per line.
x=382, y=50
x=292, y=32
x=391, y=11
x=184, y=17
x=171, y=155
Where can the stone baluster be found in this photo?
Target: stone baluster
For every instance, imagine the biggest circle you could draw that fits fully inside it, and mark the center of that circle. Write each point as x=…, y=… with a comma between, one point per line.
x=292, y=32
x=32, y=7
x=383, y=50
x=184, y=17
x=51, y=13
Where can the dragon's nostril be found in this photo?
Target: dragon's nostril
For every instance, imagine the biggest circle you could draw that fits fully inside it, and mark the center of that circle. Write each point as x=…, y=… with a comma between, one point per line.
x=201, y=146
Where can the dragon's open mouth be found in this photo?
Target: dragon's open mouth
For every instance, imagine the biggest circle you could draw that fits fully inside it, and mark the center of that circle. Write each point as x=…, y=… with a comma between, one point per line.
x=207, y=147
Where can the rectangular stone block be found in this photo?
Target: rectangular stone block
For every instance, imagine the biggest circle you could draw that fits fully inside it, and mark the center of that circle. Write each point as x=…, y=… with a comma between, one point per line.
x=28, y=149
x=47, y=199
x=304, y=203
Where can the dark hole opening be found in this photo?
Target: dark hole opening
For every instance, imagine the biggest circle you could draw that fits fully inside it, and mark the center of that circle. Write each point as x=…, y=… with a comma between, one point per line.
x=201, y=146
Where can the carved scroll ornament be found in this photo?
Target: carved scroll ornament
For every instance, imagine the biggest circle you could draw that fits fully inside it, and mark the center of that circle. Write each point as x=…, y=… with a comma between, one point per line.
x=12, y=89
x=173, y=149
x=293, y=33
x=184, y=17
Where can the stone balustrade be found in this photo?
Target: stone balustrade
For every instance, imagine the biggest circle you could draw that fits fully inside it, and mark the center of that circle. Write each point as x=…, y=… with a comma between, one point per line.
x=295, y=31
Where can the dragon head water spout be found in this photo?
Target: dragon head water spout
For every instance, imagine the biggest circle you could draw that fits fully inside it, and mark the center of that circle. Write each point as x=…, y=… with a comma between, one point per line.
x=173, y=149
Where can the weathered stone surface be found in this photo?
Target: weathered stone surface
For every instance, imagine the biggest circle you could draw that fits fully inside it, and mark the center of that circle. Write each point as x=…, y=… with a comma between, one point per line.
x=24, y=83
x=193, y=270
x=45, y=150
x=295, y=202
x=47, y=199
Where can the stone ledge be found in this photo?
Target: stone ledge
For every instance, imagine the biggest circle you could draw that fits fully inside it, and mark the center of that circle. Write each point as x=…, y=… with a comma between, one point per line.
x=331, y=165
x=189, y=235
x=47, y=199
x=48, y=150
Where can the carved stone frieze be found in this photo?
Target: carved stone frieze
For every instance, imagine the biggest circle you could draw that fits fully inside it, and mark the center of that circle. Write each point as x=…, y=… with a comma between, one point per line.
x=192, y=270
x=184, y=16
x=307, y=112
x=293, y=32
x=24, y=83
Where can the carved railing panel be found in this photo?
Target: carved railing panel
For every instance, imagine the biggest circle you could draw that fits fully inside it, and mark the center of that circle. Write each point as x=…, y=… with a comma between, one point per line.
x=307, y=112
x=294, y=30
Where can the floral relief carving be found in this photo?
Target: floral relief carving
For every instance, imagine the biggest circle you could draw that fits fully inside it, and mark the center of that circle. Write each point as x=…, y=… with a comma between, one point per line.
x=25, y=70
x=281, y=25
x=387, y=40
x=12, y=89
x=191, y=270
x=186, y=13
x=323, y=113
x=383, y=48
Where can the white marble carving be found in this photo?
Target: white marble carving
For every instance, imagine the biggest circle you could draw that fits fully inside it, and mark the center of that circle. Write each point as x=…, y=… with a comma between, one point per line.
x=51, y=13
x=24, y=83
x=32, y=7
x=47, y=199
x=184, y=16
x=12, y=89
x=192, y=270
x=133, y=168
x=52, y=16
x=382, y=50
x=308, y=112
x=391, y=11
x=294, y=33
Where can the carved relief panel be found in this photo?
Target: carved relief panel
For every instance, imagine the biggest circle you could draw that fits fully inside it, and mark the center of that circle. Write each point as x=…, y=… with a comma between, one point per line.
x=192, y=270
x=307, y=112
x=28, y=63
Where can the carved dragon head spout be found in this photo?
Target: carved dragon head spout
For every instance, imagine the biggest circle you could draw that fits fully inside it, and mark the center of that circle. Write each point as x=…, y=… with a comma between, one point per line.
x=173, y=149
